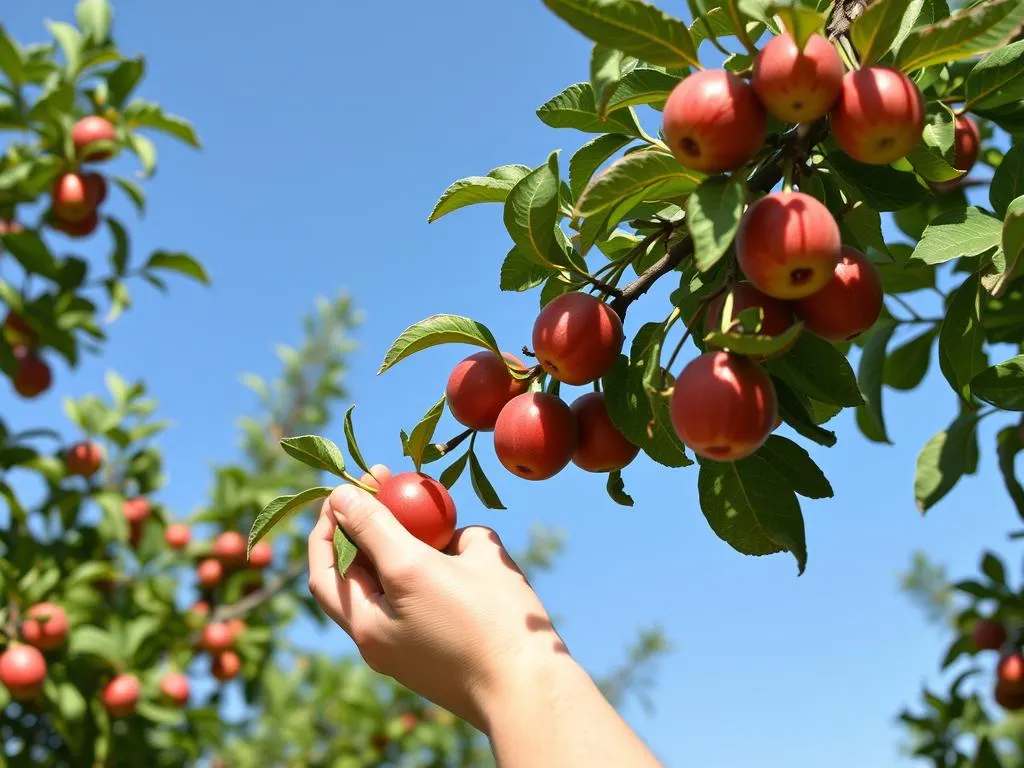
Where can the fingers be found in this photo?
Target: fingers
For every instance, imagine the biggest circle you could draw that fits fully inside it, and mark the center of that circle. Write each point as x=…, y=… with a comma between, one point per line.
x=378, y=474
x=374, y=529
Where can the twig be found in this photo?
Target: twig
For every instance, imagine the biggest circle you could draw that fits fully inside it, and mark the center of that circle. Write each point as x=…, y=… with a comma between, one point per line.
x=906, y=305
x=263, y=594
x=451, y=445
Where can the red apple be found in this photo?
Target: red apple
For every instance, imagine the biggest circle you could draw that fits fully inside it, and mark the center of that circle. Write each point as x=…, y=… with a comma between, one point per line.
x=210, y=572
x=798, y=86
x=22, y=670
x=788, y=245
x=1011, y=668
x=10, y=227
x=90, y=129
x=601, y=447
x=178, y=535
x=988, y=635
x=967, y=143
x=479, y=387
x=723, y=406
x=407, y=721
x=121, y=696
x=237, y=627
x=82, y=228
x=879, y=116
x=45, y=626
x=776, y=316
x=18, y=333
x=848, y=304
x=422, y=505
x=225, y=665
x=713, y=122
x=175, y=688
x=1009, y=696
x=96, y=188
x=136, y=510
x=85, y=458
x=577, y=338
x=32, y=375
x=217, y=637
x=535, y=435
x=201, y=607
x=230, y=548
x=261, y=556
x=71, y=201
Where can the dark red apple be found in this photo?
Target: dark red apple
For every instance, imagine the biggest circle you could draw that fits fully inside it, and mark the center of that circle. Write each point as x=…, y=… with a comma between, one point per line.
x=776, y=315
x=848, y=304
x=577, y=338
x=85, y=458
x=422, y=505
x=32, y=375
x=601, y=447
x=225, y=665
x=479, y=387
x=535, y=435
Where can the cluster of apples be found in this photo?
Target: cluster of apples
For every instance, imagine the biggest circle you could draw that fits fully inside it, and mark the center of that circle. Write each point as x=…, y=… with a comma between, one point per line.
x=76, y=196
x=991, y=635
x=32, y=374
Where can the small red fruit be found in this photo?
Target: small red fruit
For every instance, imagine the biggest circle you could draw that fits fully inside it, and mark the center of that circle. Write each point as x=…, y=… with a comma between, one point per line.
x=32, y=375
x=967, y=143
x=422, y=505
x=22, y=670
x=90, y=129
x=46, y=626
x=175, y=688
x=479, y=387
x=225, y=665
x=237, y=627
x=601, y=447
x=121, y=696
x=723, y=406
x=18, y=333
x=879, y=116
x=229, y=548
x=96, y=188
x=798, y=86
x=988, y=635
x=85, y=458
x=1009, y=696
x=577, y=338
x=776, y=316
x=70, y=198
x=1011, y=668
x=713, y=121
x=201, y=607
x=82, y=228
x=535, y=436
x=788, y=245
x=210, y=572
x=136, y=510
x=217, y=637
x=178, y=535
x=407, y=721
x=848, y=304
x=10, y=227
x=261, y=556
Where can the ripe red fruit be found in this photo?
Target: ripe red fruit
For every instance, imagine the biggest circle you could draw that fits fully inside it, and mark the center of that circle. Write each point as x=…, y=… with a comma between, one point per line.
x=22, y=670
x=407, y=721
x=32, y=375
x=1011, y=668
x=261, y=556
x=10, y=227
x=18, y=333
x=82, y=228
x=723, y=406
x=967, y=143
x=96, y=188
x=577, y=338
x=225, y=665
x=121, y=695
x=422, y=505
x=713, y=122
x=600, y=447
x=788, y=245
x=85, y=458
x=90, y=129
x=776, y=316
x=1009, y=696
x=479, y=387
x=237, y=627
x=229, y=548
x=136, y=510
x=879, y=116
x=70, y=197
x=848, y=304
x=46, y=626
x=178, y=535
x=217, y=637
x=988, y=635
x=210, y=572
x=535, y=436
x=175, y=687
x=201, y=607
x=798, y=86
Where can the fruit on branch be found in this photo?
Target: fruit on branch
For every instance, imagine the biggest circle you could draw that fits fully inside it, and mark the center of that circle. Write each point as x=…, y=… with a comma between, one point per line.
x=535, y=436
x=177, y=536
x=17, y=332
x=96, y=188
x=32, y=375
x=217, y=637
x=175, y=688
x=422, y=505
x=76, y=229
x=788, y=245
x=988, y=635
x=261, y=556
x=723, y=406
x=577, y=338
x=713, y=122
x=966, y=144
x=776, y=316
x=600, y=446
x=22, y=670
x=798, y=86
x=70, y=197
x=1011, y=668
x=121, y=696
x=201, y=607
x=1009, y=696
x=88, y=130
x=85, y=458
x=237, y=628
x=10, y=227
x=209, y=572
x=849, y=303
x=879, y=116
x=136, y=509
x=225, y=665
x=479, y=387
x=229, y=547
x=45, y=626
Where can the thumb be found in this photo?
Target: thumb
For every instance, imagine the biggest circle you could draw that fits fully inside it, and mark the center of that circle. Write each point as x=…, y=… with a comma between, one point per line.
x=372, y=527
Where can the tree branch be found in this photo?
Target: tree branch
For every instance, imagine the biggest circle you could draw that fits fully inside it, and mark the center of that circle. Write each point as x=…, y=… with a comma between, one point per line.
x=249, y=602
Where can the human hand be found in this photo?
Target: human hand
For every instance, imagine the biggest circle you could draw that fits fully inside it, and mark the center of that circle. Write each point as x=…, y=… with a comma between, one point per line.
x=460, y=628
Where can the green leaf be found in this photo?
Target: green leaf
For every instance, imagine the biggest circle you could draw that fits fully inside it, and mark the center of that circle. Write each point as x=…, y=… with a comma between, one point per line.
x=576, y=107
x=985, y=755
x=280, y=508
x=643, y=85
x=933, y=157
x=438, y=329
x=800, y=20
x=881, y=186
x=795, y=411
x=123, y=78
x=344, y=551
x=869, y=380
x=590, y=157
x=1009, y=444
x=520, y=274
x=119, y=256
x=93, y=641
x=1012, y=235
x=944, y=460
x=31, y=252
x=816, y=368
x=70, y=41
x=137, y=632
x=481, y=485
x=874, y=31
x=134, y=192
x=993, y=567
x=963, y=644
x=862, y=227
x=605, y=70
x=713, y=214
x=907, y=365
x=70, y=702
x=797, y=467
x=961, y=338
x=998, y=79
x=423, y=432
x=454, y=471
x=144, y=114
x=11, y=59
x=95, y=18
x=752, y=343
x=631, y=26
x=985, y=27
x=350, y=441
x=752, y=508
x=492, y=188
x=531, y=213
x=160, y=714
x=904, y=275
x=956, y=233
x=145, y=150
x=1002, y=385
x=643, y=175
x=617, y=489
x=1008, y=180
x=178, y=262
x=316, y=452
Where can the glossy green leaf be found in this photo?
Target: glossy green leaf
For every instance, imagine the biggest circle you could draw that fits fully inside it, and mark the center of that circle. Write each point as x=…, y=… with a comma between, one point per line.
x=997, y=79
x=874, y=31
x=591, y=156
x=438, y=329
x=907, y=365
x=797, y=467
x=576, y=107
x=133, y=191
x=143, y=114
x=123, y=79
x=818, y=369
x=955, y=233
x=454, y=471
x=95, y=18
x=1002, y=385
x=31, y=252
x=93, y=641
x=800, y=20
x=531, y=213
x=605, y=71
x=492, y=188
x=869, y=378
x=1008, y=180
x=481, y=485
x=11, y=59
x=644, y=175
x=797, y=414
x=316, y=452
x=713, y=214
x=985, y=27
x=71, y=43
x=352, y=444
x=423, y=433
x=943, y=461
x=345, y=551
x=520, y=274
x=280, y=508
x=178, y=262
x=961, y=338
x=1009, y=444
x=881, y=186
x=643, y=85
x=752, y=343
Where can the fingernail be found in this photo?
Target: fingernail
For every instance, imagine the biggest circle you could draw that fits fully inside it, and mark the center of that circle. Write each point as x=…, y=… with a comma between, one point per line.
x=341, y=497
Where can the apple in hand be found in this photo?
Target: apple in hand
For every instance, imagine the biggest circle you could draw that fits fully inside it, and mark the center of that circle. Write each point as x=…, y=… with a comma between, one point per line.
x=422, y=505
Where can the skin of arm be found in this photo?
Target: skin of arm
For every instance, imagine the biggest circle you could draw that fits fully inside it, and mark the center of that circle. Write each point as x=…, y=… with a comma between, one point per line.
x=464, y=629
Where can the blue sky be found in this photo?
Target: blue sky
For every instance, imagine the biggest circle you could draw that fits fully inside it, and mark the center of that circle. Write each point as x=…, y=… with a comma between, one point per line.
x=329, y=131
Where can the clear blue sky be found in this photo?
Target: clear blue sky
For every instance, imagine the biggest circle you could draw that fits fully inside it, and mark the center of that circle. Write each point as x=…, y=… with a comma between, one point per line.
x=330, y=129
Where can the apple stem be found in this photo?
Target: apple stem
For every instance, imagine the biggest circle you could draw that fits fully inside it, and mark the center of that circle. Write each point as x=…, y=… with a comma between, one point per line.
x=359, y=483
